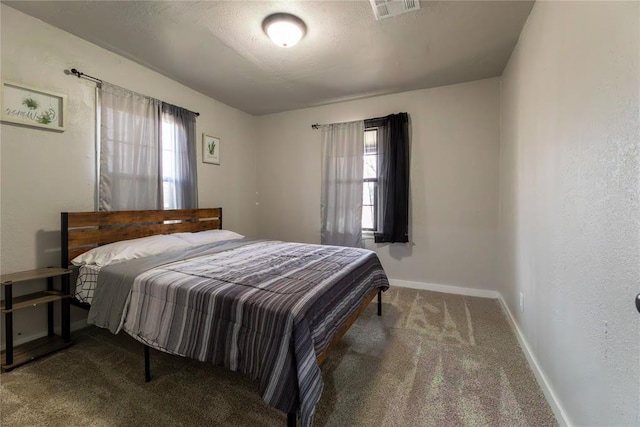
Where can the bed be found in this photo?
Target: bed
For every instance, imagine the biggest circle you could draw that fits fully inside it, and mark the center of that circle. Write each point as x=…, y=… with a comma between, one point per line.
x=271, y=310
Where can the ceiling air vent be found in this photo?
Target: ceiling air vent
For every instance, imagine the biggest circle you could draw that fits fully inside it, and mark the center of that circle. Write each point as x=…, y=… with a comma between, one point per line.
x=387, y=8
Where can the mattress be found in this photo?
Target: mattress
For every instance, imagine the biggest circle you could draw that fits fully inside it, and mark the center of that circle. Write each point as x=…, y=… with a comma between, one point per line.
x=86, y=283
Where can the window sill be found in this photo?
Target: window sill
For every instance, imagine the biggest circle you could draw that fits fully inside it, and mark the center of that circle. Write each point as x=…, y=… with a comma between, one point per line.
x=367, y=235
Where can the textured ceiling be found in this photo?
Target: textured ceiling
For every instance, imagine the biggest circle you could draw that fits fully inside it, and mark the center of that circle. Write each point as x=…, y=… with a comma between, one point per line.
x=218, y=47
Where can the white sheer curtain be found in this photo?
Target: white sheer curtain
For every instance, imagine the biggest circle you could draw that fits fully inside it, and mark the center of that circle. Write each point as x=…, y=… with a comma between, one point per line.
x=342, y=165
x=130, y=151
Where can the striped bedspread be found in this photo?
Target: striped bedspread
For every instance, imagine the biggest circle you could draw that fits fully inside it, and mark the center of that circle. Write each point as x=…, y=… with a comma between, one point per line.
x=263, y=308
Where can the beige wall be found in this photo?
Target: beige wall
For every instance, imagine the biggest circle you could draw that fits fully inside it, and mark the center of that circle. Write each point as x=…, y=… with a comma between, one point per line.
x=570, y=203
x=44, y=172
x=454, y=180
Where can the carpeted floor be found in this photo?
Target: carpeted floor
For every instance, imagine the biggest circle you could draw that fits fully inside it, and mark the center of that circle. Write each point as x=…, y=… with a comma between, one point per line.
x=432, y=359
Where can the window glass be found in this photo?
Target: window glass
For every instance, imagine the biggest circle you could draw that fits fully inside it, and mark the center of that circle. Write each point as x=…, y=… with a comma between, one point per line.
x=169, y=164
x=370, y=180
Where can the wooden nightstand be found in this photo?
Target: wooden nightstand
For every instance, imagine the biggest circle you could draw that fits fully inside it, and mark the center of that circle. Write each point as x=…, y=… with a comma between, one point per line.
x=13, y=357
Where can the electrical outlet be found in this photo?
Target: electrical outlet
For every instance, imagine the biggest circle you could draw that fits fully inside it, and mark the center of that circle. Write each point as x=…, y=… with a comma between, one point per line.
x=521, y=302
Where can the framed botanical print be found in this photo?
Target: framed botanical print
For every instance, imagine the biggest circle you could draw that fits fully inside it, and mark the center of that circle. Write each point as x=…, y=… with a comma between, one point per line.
x=210, y=149
x=30, y=106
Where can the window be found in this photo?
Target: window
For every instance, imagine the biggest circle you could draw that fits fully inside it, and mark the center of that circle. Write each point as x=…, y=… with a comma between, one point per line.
x=370, y=181
x=147, y=153
x=129, y=176
x=386, y=178
x=365, y=166
x=171, y=155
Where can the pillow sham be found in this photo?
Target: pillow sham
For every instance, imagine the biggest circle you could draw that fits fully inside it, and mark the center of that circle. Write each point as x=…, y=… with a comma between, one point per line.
x=208, y=236
x=126, y=250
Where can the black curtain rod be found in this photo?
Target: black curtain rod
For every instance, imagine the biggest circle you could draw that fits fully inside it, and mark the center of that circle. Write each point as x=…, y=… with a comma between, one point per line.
x=82, y=75
x=318, y=125
x=85, y=76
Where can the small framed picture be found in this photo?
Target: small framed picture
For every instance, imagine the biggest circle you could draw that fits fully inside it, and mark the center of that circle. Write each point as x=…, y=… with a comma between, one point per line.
x=210, y=149
x=34, y=107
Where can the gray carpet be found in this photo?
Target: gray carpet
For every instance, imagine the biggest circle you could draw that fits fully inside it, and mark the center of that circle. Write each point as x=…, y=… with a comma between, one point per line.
x=432, y=359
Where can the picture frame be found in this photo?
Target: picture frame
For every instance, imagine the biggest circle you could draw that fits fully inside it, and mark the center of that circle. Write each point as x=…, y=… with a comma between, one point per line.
x=210, y=149
x=30, y=106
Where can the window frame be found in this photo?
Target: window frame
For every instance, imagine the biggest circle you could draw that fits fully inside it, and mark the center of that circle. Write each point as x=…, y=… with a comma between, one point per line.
x=376, y=182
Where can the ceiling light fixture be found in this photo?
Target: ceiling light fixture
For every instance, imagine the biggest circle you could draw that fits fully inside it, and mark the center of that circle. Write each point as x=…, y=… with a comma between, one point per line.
x=284, y=29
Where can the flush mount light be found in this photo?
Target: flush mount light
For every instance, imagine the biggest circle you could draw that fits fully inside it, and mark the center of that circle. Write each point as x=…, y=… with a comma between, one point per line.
x=284, y=29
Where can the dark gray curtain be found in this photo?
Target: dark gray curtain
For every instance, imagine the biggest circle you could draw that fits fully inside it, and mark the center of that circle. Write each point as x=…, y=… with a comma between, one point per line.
x=393, y=182
x=183, y=191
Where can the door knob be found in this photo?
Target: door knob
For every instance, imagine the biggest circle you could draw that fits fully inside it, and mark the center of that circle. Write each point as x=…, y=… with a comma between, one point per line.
x=638, y=302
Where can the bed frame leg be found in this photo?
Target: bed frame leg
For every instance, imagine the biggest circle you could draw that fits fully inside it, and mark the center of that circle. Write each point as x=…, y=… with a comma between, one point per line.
x=379, y=302
x=147, y=365
x=291, y=419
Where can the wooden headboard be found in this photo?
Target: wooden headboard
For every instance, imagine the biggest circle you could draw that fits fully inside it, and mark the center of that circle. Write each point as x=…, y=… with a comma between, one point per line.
x=82, y=231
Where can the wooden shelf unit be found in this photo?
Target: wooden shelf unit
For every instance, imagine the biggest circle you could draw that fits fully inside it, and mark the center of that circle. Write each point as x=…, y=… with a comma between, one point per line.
x=14, y=357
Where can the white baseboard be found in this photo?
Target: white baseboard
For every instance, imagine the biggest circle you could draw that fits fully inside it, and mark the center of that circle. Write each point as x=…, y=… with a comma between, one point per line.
x=447, y=289
x=24, y=339
x=550, y=395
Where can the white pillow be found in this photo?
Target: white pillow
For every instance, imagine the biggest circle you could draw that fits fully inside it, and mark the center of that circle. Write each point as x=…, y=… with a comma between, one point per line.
x=126, y=250
x=209, y=236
